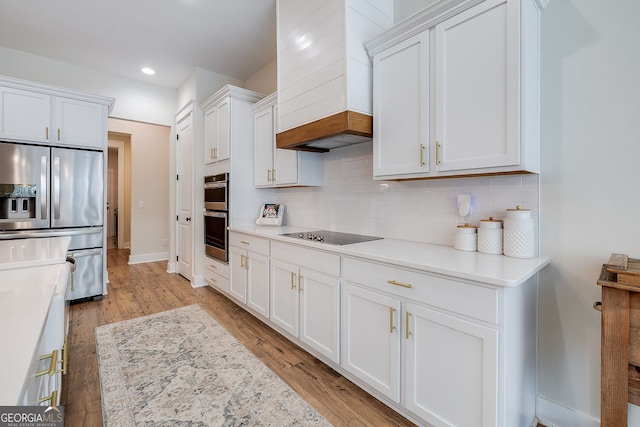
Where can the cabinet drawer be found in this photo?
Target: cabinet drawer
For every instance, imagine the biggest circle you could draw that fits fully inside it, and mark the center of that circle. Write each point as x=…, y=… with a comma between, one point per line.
x=474, y=301
x=311, y=258
x=219, y=268
x=216, y=281
x=250, y=243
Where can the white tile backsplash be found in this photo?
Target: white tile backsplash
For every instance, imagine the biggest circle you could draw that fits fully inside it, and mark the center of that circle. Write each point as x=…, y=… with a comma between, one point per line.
x=420, y=210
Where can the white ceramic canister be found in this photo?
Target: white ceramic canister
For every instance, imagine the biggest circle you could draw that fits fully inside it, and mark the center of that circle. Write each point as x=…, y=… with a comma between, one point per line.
x=466, y=238
x=518, y=233
x=490, y=236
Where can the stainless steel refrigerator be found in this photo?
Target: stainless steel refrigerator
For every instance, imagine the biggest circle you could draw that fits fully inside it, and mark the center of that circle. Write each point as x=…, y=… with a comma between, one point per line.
x=49, y=191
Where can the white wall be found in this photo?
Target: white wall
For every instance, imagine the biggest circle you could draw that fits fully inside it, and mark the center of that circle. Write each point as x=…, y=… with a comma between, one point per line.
x=589, y=183
x=134, y=100
x=265, y=80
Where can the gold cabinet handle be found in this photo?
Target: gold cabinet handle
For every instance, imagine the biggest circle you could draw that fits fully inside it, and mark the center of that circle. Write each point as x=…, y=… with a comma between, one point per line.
x=300, y=279
x=46, y=132
x=244, y=242
x=246, y=262
x=73, y=282
x=53, y=362
x=241, y=261
x=213, y=266
x=293, y=280
x=212, y=281
x=421, y=154
x=215, y=153
x=392, y=327
x=212, y=154
x=273, y=174
x=437, y=153
x=396, y=283
x=406, y=321
x=597, y=305
x=58, y=134
x=53, y=397
x=268, y=175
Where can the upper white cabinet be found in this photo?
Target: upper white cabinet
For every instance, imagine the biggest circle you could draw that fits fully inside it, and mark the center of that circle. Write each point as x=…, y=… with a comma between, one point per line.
x=25, y=115
x=221, y=122
x=456, y=91
x=79, y=123
x=30, y=112
x=401, y=111
x=274, y=167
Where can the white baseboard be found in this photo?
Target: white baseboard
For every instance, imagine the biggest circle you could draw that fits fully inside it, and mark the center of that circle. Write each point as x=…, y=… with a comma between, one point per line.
x=141, y=259
x=171, y=267
x=553, y=414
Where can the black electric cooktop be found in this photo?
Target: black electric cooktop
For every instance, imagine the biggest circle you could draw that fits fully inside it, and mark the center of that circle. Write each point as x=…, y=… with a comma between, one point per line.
x=331, y=237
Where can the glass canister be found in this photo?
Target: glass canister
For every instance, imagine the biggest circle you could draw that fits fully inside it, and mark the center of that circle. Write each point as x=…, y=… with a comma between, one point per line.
x=466, y=238
x=490, y=236
x=518, y=233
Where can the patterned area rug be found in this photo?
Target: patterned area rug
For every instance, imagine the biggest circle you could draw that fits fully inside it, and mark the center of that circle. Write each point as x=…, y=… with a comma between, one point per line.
x=181, y=368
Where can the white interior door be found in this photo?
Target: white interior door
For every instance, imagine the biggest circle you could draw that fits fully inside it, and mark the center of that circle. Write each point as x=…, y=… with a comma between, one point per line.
x=184, y=154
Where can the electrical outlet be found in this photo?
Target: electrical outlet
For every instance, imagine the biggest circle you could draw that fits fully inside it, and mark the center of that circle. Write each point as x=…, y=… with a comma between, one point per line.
x=165, y=242
x=141, y=204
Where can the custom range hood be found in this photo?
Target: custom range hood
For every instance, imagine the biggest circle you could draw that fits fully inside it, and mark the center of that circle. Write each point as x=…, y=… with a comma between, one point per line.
x=324, y=71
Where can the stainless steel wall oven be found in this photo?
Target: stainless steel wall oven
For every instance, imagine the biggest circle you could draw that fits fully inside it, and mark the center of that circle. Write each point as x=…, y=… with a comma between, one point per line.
x=216, y=204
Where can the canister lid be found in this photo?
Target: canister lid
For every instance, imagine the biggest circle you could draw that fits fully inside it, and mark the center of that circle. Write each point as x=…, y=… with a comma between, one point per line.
x=467, y=226
x=490, y=219
x=518, y=208
x=490, y=223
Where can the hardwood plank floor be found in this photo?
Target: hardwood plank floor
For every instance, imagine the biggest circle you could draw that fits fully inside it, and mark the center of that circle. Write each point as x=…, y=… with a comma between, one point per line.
x=142, y=289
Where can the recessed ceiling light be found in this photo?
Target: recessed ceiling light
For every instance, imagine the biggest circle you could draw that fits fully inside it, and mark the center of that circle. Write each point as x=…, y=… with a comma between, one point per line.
x=148, y=70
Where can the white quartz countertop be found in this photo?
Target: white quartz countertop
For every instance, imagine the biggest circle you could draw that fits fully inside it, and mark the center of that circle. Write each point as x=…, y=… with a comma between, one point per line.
x=496, y=270
x=32, y=271
x=19, y=253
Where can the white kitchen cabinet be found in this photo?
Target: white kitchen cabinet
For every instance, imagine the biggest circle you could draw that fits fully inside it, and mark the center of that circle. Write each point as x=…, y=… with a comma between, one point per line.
x=216, y=274
x=371, y=338
x=43, y=117
x=221, y=123
x=25, y=115
x=249, y=263
x=79, y=123
x=217, y=131
x=482, y=115
x=401, y=108
x=305, y=297
x=274, y=167
x=446, y=356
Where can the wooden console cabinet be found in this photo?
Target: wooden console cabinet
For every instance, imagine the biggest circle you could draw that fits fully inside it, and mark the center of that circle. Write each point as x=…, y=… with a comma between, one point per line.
x=620, y=352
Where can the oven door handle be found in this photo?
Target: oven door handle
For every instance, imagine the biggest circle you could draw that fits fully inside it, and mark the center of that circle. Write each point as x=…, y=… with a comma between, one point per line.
x=215, y=185
x=215, y=214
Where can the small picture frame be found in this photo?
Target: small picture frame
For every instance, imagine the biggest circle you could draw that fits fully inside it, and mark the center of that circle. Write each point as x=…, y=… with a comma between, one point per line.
x=271, y=214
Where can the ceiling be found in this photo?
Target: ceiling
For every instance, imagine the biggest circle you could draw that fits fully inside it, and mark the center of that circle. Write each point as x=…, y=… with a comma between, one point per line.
x=234, y=38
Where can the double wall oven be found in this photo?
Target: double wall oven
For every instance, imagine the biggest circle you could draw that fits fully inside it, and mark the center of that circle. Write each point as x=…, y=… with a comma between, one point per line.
x=216, y=213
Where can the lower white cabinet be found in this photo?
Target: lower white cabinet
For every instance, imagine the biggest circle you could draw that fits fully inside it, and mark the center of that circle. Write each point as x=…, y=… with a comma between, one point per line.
x=441, y=350
x=249, y=263
x=216, y=274
x=371, y=338
x=306, y=303
x=450, y=363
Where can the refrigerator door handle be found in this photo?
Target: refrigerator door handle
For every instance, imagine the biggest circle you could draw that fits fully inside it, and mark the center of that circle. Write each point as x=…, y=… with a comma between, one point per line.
x=84, y=252
x=56, y=187
x=43, y=187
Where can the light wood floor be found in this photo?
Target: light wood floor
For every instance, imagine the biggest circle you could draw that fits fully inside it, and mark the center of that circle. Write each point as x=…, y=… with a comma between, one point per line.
x=142, y=289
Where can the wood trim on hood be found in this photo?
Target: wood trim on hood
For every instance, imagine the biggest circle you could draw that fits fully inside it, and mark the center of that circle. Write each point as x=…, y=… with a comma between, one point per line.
x=347, y=122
